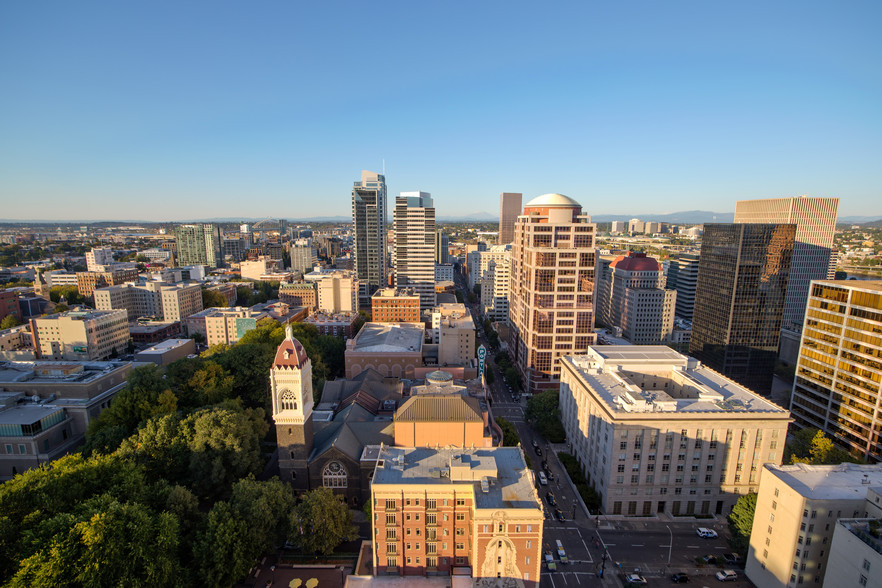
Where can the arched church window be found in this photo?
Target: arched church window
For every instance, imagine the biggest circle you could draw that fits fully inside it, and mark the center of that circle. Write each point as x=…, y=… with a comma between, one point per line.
x=334, y=476
x=289, y=400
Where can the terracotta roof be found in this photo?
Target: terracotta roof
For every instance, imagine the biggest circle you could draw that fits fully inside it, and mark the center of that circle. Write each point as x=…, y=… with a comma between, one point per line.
x=636, y=262
x=453, y=408
x=290, y=353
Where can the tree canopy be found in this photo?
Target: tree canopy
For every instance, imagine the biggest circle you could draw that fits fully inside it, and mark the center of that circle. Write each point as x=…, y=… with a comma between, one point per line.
x=543, y=412
x=812, y=446
x=741, y=523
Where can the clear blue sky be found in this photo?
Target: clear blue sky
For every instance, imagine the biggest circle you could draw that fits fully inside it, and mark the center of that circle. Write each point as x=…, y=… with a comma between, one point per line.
x=174, y=110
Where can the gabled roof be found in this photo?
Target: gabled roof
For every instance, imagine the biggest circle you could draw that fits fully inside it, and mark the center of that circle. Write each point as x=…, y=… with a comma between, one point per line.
x=452, y=408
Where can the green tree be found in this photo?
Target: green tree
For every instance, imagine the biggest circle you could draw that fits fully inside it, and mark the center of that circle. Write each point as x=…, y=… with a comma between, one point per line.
x=510, y=437
x=320, y=522
x=266, y=507
x=221, y=550
x=9, y=321
x=741, y=523
x=543, y=412
x=812, y=446
x=213, y=298
x=59, y=308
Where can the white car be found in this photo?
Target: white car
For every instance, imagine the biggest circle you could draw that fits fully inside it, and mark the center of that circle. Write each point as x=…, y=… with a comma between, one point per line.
x=727, y=576
x=706, y=533
x=635, y=579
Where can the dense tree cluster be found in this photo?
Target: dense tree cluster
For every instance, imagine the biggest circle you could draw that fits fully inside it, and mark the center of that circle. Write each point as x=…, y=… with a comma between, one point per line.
x=164, y=492
x=812, y=446
x=741, y=523
x=544, y=413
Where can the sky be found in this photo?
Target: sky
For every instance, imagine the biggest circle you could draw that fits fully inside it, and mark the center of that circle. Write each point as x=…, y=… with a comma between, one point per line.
x=169, y=110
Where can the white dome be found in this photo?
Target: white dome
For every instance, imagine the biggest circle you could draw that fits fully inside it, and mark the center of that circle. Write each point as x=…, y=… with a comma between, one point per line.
x=552, y=200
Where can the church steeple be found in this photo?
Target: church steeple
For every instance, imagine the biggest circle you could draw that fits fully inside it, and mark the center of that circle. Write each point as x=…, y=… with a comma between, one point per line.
x=292, y=399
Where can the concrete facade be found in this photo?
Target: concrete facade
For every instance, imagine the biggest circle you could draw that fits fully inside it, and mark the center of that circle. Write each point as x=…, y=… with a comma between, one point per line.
x=80, y=335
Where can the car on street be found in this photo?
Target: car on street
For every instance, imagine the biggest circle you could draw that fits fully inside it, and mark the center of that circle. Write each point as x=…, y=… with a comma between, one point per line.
x=533, y=442
x=549, y=475
x=732, y=558
x=711, y=559
x=679, y=578
x=635, y=579
x=549, y=560
x=543, y=481
x=559, y=514
x=706, y=533
x=549, y=497
x=538, y=451
x=561, y=553
x=727, y=576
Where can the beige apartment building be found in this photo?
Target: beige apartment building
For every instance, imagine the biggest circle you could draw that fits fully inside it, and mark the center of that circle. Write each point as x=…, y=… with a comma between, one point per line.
x=855, y=557
x=655, y=431
x=495, y=286
x=456, y=511
x=839, y=371
x=797, y=508
x=88, y=281
x=224, y=325
x=453, y=330
x=171, y=302
x=337, y=292
x=81, y=335
x=299, y=294
x=551, y=303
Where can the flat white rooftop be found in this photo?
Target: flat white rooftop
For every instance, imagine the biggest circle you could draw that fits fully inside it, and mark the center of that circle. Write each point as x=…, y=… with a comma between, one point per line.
x=845, y=481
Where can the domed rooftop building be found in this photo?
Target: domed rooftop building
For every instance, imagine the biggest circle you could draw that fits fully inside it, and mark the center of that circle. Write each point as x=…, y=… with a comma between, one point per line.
x=556, y=207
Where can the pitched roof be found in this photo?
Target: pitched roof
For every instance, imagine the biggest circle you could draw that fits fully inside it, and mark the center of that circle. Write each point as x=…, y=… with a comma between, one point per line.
x=453, y=408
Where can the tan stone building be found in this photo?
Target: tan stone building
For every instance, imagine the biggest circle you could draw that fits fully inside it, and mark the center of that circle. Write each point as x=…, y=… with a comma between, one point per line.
x=456, y=511
x=224, y=325
x=797, y=508
x=551, y=303
x=171, y=302
x=389, y=305
x=88, y=281
x=299, y=294
x=337, y=292
x=80, y=335
x=453, y=330
x=655, y=431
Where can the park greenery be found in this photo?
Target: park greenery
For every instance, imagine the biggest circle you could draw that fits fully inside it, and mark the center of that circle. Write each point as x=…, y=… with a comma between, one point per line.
x=165, y=490
x=583, y=486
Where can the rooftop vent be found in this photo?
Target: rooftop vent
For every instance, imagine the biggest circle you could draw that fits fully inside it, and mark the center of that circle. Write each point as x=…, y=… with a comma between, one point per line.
x=485, y=485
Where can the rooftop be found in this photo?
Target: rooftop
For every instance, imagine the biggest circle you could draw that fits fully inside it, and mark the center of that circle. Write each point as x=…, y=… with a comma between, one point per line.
x=552, y=200
x=498, y=475
x=389, y=337
x=50, y=372
x=655, y=378
x=166, y=345
x=867, y=530
x=845, y=481
x=636, y=262
x=873, y=285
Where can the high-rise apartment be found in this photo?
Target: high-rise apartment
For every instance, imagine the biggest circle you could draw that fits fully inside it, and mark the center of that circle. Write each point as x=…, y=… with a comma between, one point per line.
x=682, y=277
x=480, y=260
x=199, y=245
x=657, y=432
x=509, y=209
x=369, y=228
x=551, y=303
x=839, y=372
x=633, y=297
x=303, y=257
x=442, y=246
x=495, y=287
x=414, y=226
x=98, y=257
x=815, y=220
x=739, y=300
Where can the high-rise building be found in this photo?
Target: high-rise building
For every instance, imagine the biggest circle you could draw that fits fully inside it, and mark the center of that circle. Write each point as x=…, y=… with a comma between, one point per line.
x=682, y=277
x=838, y=381
x=480, y=260
x=303, y=257
x=98, y=257
x=739, y=300
x=797, y=507
x=628, y=408
x=636, y=226
x=414, y=226
x=509, y=209
x=617, y=227
x=442, y=247
x=369, y=228
x=338, y=292
x=551, y=302
x=634, y=298
x=815, y=220
x=443, y=509
x=199, y=245
x=495, y=287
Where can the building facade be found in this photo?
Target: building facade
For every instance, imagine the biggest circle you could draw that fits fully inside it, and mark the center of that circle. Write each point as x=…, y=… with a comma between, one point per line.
x=797, y=508
x=223, y=325
x=199, y=245
x=495, y=287
x=855, y=554
x=171, y=302
x=553, y=273
x=739, y=300
x=509, y=209
x=369, y=229
x=839, y=371
x=88, y=281
x=481, y=261
x=338, y=292
x=389, y=305
x=657, y=432
x=456, y=512
x=98, y=257
x=815, y=220
x=634, y=298
x=414, y=226
x=81, y=335
x=299, y=294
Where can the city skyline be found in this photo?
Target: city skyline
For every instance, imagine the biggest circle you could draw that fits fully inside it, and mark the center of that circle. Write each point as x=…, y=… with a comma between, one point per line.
x=129, y=112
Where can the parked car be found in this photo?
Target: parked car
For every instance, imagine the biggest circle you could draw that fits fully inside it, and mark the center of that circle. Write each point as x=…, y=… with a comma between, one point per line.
x=549, y=497
x=561, y=553
x=549, y=560
x=727, y=576
x=706, y=533
x=549, y=475
x=711, y=559
x=732, y=558
x=538, y=451
x=636, y=579
x=679, y=578
x=559, y=514
x=543, y=481
x=533, y=442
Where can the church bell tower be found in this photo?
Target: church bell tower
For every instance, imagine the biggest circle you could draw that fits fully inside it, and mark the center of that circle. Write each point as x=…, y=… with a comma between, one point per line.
x=291, y=388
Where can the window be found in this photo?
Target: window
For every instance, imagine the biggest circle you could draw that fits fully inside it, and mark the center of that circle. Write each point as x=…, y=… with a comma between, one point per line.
x=334, y=476
x=866, y=565
x=460, y=502
x=288, y=400
x=460, y=516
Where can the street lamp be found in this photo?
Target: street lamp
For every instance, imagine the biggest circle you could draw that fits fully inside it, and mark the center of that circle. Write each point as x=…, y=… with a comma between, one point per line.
x=670, y=544
x=603, y=559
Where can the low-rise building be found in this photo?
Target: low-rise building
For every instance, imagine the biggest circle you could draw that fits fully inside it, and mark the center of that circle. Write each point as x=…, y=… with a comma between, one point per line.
x=339, y=324
x=228, y=291
x=389, y=305
x=655, y=431
x=171, y=302
x=80, y=335
x=167, y=352
x=88, y=281
x=299, y=294
x=153, y=331
x=443, y=272
x=797, y=507
x=223, y=325
x=456, y=511
x=391, y=349
x=46, y=407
